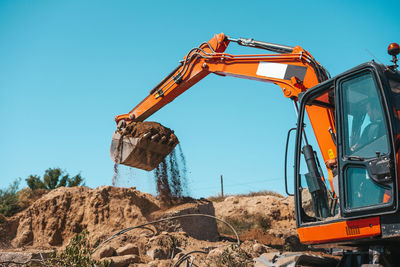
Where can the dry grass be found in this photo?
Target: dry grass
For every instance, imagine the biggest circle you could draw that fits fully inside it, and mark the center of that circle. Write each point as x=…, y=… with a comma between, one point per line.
x=244, y=223
x=27, y=196
x=219, y=198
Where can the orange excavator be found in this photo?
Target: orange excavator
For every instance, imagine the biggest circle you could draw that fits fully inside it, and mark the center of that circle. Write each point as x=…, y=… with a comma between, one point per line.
x=351, y=201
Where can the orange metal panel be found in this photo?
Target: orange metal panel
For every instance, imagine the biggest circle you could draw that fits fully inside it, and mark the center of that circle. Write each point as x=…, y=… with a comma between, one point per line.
x=321, y=120
x=340, y=231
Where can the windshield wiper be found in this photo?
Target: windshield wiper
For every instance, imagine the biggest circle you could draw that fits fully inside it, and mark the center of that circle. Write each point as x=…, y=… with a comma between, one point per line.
x=358, y=158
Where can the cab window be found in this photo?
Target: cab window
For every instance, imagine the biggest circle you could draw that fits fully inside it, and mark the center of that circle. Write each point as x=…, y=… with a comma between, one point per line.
x=365, y=139
x=365, y=129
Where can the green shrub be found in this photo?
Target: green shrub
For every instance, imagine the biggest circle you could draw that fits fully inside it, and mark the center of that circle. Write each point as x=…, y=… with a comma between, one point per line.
x=9, y=204
x=263, y=221
x=244, y=223
x=13, y=201
x=77, y=253
x=52, y=179
x=240, y=224
x=233, y=256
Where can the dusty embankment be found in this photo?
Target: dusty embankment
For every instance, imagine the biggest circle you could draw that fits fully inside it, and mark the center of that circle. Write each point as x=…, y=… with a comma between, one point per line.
x=52, y=221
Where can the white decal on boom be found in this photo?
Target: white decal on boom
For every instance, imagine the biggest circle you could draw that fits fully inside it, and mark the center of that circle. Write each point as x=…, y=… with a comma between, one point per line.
x=273, y=70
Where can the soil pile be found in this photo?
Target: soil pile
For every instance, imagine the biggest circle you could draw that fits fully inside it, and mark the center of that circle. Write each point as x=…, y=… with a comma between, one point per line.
x=150, y=128
x=52, y=221
x=62, y=213
x=273, y=217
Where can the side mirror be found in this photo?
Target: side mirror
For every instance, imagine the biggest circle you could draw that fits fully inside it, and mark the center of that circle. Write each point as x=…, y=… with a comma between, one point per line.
x=286, y=150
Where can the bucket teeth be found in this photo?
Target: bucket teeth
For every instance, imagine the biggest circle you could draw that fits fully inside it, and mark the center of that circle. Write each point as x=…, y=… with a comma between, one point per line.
x=171, y=141
x=163, y=139
x=147, y=135
x=155, y=137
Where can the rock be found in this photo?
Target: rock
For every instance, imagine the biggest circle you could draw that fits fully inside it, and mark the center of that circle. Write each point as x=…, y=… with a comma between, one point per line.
x=266, y=259
x=122, y=261
x=129, y=249
x=260, y=249
x=22, y=258
x=15, y=257
x=157, y=253
x=104, y=252
x=216, y=253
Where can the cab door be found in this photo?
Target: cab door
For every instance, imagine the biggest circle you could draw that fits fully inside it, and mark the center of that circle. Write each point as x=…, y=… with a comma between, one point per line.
x=366, y=157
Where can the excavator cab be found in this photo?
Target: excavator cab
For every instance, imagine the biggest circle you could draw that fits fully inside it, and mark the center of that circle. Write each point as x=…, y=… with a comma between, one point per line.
x=356, y=200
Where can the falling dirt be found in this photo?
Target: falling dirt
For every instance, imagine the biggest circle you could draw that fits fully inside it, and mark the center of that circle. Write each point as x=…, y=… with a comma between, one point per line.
x=170, y=177
x=116, y=174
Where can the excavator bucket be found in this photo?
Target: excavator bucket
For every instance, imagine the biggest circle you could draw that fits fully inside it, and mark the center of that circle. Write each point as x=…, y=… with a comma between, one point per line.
x=142, y=145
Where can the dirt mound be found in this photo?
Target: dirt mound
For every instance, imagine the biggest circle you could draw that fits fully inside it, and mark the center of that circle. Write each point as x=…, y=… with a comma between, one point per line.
x=62, y=213
x=54, y=219
x=272, y=217
x=59, y=215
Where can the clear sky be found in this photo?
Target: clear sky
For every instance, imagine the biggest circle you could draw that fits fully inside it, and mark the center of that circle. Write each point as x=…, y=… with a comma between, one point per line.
x=68, y=67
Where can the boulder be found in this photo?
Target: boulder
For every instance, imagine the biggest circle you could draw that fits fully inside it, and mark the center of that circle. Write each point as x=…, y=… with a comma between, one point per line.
x=129, y=249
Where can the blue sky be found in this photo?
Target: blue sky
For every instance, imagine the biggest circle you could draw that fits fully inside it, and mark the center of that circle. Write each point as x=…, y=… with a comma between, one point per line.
x=68, y=67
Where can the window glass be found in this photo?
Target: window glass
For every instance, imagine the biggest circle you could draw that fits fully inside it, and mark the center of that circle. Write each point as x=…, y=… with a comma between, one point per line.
x=365, y=129
x=318, y=199
x=361, y=191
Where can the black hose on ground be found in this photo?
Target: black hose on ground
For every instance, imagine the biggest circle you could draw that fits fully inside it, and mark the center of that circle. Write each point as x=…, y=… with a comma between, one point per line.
x=163, y=220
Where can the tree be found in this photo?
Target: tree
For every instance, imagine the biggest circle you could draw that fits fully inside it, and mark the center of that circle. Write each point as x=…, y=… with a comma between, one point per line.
x=75, y=181
x=34, y=182
x=9, y=199
x=52, y=179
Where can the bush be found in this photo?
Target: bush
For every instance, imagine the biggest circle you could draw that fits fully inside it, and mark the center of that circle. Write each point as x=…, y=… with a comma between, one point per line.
x=52, y=179
x=13, y=201
x=27, y=196
x=234, y=256
x=263, y=222
x=9, y=204
x=244, y=223
x=217, y=198
x=77, y=253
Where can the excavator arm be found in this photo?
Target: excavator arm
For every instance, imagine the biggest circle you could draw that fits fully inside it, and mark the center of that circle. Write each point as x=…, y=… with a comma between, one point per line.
x=293, y=69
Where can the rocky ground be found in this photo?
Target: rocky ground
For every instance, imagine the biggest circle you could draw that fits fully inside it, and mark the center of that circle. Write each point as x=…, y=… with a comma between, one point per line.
x=266, y=224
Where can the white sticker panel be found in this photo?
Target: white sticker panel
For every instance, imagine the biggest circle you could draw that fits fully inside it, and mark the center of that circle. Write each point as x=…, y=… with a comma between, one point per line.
x=273, y=70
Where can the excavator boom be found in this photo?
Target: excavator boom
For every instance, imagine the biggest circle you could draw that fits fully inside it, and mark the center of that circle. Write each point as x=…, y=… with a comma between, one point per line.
x=294, y=70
